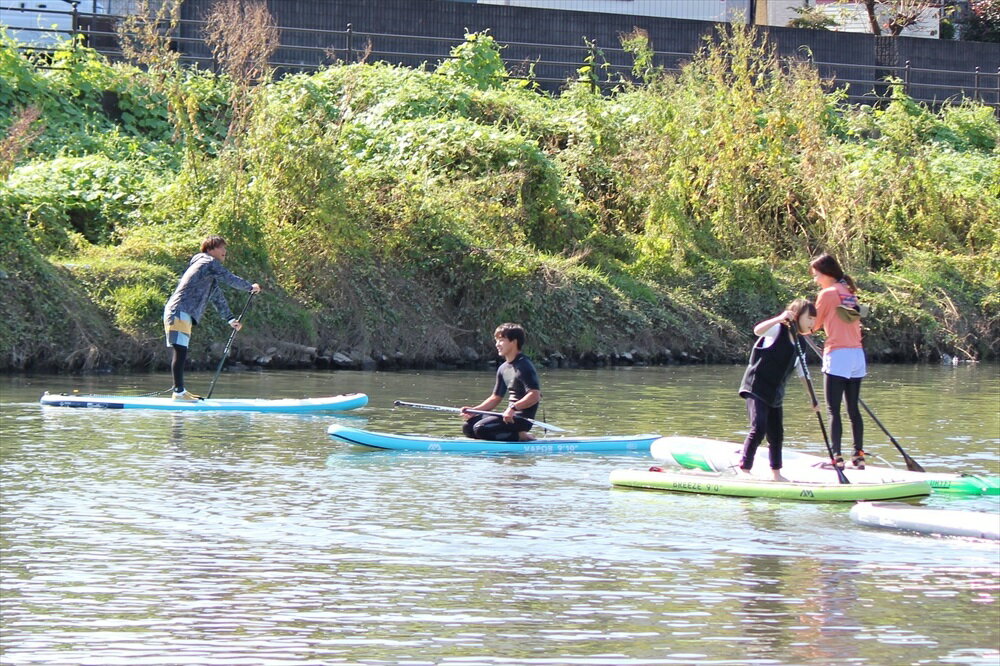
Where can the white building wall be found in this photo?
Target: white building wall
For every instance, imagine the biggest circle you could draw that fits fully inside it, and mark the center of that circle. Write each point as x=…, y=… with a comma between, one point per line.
x=778, y=12
x=850, y=16
x=698, y=10
x=33, y=28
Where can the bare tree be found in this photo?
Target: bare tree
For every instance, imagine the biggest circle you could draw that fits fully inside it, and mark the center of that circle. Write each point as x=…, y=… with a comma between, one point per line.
x=894, y=16
x=22, y=132
x=146, y=39
x=243, y=37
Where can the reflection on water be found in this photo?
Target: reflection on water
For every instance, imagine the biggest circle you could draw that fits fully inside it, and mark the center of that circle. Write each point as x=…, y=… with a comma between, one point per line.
x=161, y=538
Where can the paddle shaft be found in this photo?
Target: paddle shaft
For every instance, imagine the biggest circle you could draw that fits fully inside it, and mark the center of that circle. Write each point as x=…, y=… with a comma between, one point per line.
x=229, y=344
x=911, y=464
x=815, y=403
x=483, y=412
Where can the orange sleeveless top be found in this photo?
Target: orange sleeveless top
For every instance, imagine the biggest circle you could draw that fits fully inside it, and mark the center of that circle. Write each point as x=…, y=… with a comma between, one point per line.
x=840, y=334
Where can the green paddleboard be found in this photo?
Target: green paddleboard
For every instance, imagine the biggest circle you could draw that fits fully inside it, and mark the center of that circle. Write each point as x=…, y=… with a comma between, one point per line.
x=718, y=484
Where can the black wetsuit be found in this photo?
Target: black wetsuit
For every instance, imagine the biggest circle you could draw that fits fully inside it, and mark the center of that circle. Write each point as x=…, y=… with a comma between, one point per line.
x=763, y=387
x=516, y=377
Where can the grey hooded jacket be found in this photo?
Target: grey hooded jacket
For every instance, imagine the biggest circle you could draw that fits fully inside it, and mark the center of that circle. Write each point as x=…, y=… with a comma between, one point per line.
x=200, y=283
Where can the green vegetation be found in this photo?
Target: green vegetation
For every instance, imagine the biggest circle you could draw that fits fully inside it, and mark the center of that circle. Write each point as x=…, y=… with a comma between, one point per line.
x=392, y=210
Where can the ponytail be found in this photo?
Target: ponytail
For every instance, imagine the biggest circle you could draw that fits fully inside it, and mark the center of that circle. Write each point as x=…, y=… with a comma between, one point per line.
x=827, y=265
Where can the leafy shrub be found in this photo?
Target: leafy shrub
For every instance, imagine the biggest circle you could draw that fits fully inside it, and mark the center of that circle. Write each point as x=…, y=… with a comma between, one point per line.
x=90, y=196
x=972, y=125
x=476, y=62
x=137, y=308
x=811, y=18
x=983, y=23
x=392, y=209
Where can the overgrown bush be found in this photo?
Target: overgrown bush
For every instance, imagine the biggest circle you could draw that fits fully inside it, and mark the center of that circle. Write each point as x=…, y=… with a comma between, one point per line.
x=390, y=210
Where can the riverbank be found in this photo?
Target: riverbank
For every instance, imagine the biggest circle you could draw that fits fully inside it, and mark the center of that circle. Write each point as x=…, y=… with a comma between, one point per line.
x=395, y=216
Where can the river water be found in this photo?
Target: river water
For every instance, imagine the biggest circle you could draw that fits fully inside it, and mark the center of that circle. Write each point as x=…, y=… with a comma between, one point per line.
x=131, y=537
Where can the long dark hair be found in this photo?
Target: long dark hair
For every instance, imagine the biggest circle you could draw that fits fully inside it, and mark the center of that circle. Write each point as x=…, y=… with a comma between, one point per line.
x=827, y=265
x=799, y=307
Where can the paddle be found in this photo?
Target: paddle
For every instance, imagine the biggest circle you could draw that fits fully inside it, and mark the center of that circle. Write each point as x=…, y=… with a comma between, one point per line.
x=229, y=344
x=911, y=464
x=812, y=396
x=440, y=408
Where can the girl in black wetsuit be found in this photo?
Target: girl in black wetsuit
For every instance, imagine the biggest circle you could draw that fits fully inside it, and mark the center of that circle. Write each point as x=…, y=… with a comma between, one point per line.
x=772, y=360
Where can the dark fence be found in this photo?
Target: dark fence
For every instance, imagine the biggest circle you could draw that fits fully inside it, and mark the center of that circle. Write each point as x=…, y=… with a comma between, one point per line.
x=550, y=65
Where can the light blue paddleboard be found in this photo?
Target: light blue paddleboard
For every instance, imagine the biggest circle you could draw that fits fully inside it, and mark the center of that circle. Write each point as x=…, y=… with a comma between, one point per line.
x=597, y=444
x=333, y=403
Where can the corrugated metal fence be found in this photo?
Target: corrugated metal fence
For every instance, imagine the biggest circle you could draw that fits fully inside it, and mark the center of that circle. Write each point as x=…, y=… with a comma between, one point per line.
x=551, y=65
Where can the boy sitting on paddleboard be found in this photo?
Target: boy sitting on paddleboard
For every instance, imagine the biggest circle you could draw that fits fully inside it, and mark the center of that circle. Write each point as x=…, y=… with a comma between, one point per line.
x=516, y=375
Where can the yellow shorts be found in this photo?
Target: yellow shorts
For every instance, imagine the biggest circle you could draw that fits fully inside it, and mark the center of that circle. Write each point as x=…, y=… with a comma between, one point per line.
x=178, y=329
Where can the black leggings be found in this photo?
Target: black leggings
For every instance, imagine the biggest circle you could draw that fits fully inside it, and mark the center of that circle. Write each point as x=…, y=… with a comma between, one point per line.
x=764, y=421
x=494, y=428
x=840, y=388
x=177, y=366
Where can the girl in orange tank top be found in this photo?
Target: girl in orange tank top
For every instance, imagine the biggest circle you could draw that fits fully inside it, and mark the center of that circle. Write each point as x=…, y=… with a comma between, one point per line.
x=844, y=362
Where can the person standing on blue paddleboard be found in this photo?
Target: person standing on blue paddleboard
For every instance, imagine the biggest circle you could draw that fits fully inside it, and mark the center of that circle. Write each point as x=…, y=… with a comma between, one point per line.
x=772, y=360
x=517, y=376
x=198, y=285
